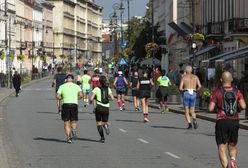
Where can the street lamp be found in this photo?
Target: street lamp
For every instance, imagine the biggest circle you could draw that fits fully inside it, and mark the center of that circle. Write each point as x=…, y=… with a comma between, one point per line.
x=121, y=9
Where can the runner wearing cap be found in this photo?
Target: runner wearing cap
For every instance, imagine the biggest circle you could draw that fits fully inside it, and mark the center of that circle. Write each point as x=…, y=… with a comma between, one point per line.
x=120, y=84
x=85, y=81
x=69, y=93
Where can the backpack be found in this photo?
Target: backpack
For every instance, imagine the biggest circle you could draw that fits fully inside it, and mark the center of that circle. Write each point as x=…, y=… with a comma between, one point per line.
x=104, y=95
x=229, y=101
x=120, y=84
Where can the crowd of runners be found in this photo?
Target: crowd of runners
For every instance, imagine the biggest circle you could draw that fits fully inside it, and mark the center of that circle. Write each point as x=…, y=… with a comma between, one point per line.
x=93, y=87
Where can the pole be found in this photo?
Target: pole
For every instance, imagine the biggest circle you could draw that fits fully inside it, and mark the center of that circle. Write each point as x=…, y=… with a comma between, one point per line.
x=10, y=65
x=121, y=34
x=128, y=17
x=193, y=24
x=152, y=10
x=6, y=39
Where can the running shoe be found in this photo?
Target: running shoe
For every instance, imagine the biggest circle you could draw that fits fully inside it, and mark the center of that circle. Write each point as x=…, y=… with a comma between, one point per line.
x=195, y=124
x=85, y=105
x=146, y=120
x=59, y=111
x=102, y=140
x=190, y=126
x=162, y=111
x=233, y=163
x=167, y=109
x=74, y=134
x=136, y=109
x=69, y=140
x=106, y=128
x=123, y=108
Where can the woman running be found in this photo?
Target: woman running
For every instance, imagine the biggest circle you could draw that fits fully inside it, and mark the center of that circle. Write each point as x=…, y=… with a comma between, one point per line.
x=144, y=86
x=102, y=93
x=135, y=91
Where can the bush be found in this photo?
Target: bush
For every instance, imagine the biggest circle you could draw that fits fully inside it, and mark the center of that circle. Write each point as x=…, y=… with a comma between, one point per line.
x=26, y=77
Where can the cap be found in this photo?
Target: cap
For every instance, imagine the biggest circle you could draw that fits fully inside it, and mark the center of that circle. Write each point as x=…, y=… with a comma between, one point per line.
x=120, y=72
x=69, y=76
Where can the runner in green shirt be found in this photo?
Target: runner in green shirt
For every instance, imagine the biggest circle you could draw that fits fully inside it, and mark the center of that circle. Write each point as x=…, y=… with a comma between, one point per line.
x=164, y=83
x=102, y=93
x=69, y=93
x=86, y=80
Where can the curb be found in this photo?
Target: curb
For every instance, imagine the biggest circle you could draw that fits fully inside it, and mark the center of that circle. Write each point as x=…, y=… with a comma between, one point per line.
x=203, y=117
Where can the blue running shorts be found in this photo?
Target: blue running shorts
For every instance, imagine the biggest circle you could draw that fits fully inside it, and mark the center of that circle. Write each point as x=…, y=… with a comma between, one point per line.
x=189, y=99
x=86, y=91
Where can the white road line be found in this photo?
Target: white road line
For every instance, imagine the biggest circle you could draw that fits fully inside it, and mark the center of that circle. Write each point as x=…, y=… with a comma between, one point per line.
x=122, y=130
x=142, y=140
x=172, y=155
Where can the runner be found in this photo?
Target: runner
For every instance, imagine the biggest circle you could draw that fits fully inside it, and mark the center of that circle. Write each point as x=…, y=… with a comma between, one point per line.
x=17, y=80
x=86, y=80
x=189, y=85
x=144, y=86
x=95, y=81
x=102, y=93
x=163, y=83
x=58, y=80
x=227, y=99
x=69, y=93
x=120, y=84
x=135, y=90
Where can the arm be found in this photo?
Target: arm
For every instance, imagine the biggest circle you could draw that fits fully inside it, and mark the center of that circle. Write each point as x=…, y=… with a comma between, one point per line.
x=242, y=104
x=198, y=84
x=92, y=97
x=125, y=81
x=211, y=106
x=181, y=85
x=59, y=96
x=115, y=82
x=138, y=85
x=53, y=83
x=112, y=96
x=80, y=95
x=151, y=81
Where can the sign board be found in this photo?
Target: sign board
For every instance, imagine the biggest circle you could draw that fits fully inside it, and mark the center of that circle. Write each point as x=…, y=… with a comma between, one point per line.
x=211, y=73
x=123, y=61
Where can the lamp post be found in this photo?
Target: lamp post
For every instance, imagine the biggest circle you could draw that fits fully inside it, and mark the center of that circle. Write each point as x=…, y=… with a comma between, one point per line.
x=121, y=9
x=193, y=43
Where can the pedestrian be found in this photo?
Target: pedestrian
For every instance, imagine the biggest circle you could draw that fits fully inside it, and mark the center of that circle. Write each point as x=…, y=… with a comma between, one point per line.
x=135, y=90
x=58, y=80
x=229, y=101
x=95, y=81
x=120, y=84
x=85, y=81
x=101, y=94
x=189, y=85
x=144, y=86
x=17, y=82
x=163, y=84
x=69, y=93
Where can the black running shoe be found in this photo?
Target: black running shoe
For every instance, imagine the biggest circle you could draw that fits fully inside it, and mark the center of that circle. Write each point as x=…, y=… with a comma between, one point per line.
x=195, y=124
x=106, y=128
x=102, y=140
x=85, y=105
x=123, y=107
x=190, y=126
x=59, y=111
x=74, y=134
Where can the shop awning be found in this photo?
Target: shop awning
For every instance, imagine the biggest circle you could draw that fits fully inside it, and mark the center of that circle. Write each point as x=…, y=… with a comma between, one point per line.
x=177, y=28
x=232, y=55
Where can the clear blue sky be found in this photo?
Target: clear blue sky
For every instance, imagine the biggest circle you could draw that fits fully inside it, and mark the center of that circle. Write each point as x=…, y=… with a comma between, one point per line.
x=137, y=7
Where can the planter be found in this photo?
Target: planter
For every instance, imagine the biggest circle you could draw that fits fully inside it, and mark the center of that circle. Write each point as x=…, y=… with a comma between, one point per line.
x=174, y=99
x=203, y=105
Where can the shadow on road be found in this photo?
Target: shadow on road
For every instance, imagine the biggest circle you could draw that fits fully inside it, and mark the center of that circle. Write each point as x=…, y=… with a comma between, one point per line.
x=49, y=139
x=169, y=127
x=46, y=112
x=130, y=121
x=86, y=139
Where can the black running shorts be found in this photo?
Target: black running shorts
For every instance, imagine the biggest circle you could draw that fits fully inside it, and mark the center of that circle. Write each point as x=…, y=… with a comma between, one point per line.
x=69, y=112
x=226, y=131
x=102, y=113
x=144, y=94
x=135, y=92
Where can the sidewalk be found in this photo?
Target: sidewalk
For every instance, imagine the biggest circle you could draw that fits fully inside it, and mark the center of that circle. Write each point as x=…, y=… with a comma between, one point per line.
x=202, y=114
x=4, y=94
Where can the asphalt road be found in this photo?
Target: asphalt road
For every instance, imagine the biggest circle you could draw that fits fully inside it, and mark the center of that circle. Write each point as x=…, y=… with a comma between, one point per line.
x=35, y=132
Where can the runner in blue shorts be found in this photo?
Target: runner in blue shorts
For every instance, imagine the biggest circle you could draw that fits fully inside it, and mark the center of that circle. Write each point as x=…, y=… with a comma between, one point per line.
x=85, y=81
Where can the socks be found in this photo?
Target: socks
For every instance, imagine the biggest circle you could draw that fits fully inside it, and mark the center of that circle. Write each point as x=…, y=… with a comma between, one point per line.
x=100, y=130
x=233, y=158
x=119, y=103
x=123, y=102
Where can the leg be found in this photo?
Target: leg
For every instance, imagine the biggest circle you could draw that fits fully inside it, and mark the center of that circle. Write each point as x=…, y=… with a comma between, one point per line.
x=232, y=149
x=135, y=101
x=100, y=130
x=67, y=128
x=222, y=155
x=123, y=101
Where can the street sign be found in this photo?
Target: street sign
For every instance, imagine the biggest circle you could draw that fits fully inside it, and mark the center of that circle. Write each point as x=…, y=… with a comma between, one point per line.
x=123, y=61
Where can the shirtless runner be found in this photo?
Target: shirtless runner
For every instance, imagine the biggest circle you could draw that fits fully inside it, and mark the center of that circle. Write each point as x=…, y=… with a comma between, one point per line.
x=189, y=85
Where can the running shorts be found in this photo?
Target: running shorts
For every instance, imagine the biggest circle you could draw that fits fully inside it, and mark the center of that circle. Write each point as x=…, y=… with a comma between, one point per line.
x=120, y=92
x=86, y=91
x=226, y=131
x=102, y=113
x=144, y=94
x=135, y=92
x=189, y=99
x=163, y=91
x=69, y=112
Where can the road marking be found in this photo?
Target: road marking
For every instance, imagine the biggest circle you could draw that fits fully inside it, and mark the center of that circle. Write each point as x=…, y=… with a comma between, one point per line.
x=122, y=130
x=172, y=155
x=142, y=140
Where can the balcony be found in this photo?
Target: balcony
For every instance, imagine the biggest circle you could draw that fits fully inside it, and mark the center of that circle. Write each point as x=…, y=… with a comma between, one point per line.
x=215, y=28
x=238, y=25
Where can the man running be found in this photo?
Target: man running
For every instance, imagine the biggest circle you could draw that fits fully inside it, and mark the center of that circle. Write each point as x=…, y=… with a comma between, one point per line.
x=101, y=94
x=85, y=81
x=120, y=84
x=58, y=80
x=69, y=93
x=163, y=83
x=189, y=85
x=95, y=82
x=227, y=124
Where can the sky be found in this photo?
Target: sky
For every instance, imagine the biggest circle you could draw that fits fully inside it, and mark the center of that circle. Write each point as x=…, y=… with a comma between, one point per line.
x=137, y=7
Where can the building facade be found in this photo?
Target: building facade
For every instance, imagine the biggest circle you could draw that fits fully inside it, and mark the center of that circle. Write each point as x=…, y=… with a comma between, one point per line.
x=77, y=31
